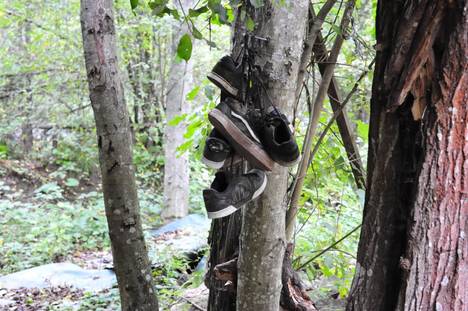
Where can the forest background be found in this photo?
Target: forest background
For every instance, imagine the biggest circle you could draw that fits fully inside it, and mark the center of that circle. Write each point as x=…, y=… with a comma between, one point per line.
x=50, y=197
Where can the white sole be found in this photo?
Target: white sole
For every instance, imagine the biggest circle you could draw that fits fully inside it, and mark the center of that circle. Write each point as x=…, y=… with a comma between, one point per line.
x=222, y=213
x=261, y=189
x=228, y=87
x=212, y=164
x=232, y=209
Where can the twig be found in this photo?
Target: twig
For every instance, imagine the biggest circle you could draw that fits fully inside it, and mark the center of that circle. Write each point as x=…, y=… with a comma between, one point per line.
x=194, y=304
x=314, y=118
x=339, y=110
x=329, y=247
x=315, y=25
x=38, y=25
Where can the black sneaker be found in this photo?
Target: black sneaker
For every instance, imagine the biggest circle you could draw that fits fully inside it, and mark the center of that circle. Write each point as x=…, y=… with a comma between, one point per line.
x=235, y=127
x=224, y=198
x=216, y=150
x=228, y=77
x=276, y=135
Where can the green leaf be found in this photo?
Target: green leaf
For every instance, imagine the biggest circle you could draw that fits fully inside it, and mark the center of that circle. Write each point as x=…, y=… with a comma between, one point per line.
x=72, y=182
x=197, y=12
x=134, y=4
x=184, y=147
x=336, y=29
x=159, y=7
x=184, y=49
x=257, y=3
x=196, y=33
x=169, y=11
x=4, y=148
x=250, y=24
x=193, y=93
x=219, y=11
x=177, y=119
x=192, y=128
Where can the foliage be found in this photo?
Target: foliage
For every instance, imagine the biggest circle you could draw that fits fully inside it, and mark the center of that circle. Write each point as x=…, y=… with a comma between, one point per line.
x=49, y=228
x=43, y=84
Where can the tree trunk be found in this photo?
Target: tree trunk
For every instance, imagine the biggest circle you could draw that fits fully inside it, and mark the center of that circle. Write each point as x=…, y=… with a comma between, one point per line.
x=27, y=137
x=115, y=156
x=412, y=253
x=176, y=166
x=263, y=239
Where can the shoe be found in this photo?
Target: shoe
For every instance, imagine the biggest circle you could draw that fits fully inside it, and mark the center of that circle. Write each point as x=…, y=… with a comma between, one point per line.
x=235, y=127
x=277, y=138
x=224, y=198
x=216, y=150
x=228, y=77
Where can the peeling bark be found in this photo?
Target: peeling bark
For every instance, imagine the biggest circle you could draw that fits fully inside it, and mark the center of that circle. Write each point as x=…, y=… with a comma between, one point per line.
x=115, y=156
x=293, y=295
x=412, y=253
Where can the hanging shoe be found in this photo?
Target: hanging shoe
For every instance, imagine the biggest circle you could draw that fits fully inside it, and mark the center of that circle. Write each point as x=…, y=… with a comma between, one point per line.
x=235, y=127
x=216, y=150
x=224, y=198
x=277, y=137
x=228, y=77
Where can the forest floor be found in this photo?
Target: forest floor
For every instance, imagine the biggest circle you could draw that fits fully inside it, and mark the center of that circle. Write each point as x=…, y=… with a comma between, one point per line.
x=50, y=217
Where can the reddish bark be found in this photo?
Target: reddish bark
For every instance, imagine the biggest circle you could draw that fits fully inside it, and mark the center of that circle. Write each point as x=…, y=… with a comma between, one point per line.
x=412, y=253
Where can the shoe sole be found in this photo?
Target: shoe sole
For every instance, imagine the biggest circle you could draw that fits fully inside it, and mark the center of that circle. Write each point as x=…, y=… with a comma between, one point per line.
x=289, y=164
x=261, y=189
x=212, y=164
x=232, y=209
x=241, y=142
x=222, y=213
x=222, y=84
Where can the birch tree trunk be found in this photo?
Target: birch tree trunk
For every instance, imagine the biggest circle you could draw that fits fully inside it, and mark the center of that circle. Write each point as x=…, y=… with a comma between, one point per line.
x=263, y=243
x=176, y=166
x=413, y=251
x=115, y=156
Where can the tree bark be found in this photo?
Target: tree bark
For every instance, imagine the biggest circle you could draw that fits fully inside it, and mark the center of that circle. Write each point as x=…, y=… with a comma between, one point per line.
x=115, y=156
x=263, y=240
x=27, y=137
x=412, y=253
x=176, y=166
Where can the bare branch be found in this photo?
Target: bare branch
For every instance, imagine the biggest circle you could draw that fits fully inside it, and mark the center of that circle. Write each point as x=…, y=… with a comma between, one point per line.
x=314, y=117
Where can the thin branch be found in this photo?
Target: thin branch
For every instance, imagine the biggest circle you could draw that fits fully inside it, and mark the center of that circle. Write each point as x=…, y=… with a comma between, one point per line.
x=339, y=110
x=329, y=248
x=40, y=26
x=315, y=24
x=314, y=118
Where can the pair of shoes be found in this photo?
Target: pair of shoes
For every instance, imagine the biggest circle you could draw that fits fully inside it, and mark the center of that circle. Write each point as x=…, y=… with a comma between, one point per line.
x=225, y=196
x=261, y=137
